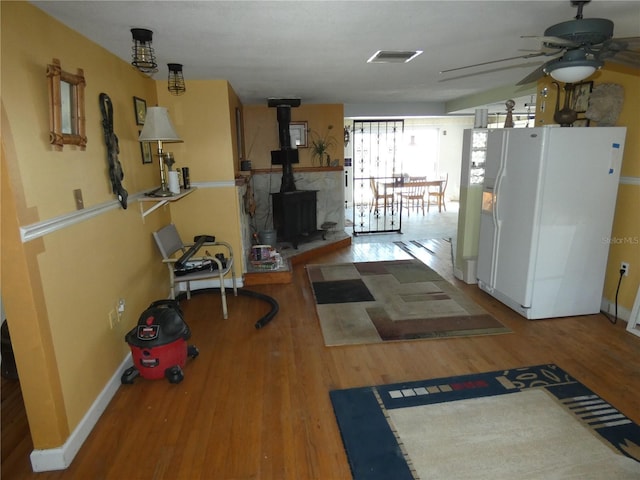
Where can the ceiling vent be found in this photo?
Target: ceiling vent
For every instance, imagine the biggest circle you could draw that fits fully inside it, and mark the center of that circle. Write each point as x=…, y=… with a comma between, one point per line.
x=394, y=56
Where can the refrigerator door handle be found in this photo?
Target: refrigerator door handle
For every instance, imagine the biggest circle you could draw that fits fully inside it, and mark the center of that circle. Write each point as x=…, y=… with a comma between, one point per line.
x=495, y=214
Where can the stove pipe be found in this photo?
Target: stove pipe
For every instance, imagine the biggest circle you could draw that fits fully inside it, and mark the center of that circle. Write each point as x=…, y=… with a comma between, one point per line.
x=284, y=119
x=286, y=155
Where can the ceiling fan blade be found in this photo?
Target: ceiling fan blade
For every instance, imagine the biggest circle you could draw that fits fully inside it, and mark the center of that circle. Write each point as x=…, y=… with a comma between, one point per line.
x=530, y=55
x=537, y=74
x=627, y=58
x=625, y=51
x=553, y=42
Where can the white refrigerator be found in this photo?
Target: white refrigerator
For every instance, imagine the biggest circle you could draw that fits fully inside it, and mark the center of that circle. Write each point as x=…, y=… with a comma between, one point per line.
x=548, y=202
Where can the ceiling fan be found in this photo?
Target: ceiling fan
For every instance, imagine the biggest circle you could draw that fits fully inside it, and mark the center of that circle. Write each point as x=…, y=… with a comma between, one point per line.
x=579, y=47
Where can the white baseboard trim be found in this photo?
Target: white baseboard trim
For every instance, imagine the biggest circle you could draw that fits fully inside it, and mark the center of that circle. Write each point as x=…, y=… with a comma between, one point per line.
x=61, y=457
x=609, y=307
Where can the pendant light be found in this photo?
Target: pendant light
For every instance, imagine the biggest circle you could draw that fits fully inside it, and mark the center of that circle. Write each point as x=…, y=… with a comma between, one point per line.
x=176, y=79
x=143, y=57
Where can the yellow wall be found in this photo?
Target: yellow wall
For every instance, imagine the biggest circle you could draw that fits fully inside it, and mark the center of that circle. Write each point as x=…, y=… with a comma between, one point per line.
x=205, y=119
x=625, y=236
x=59, y=289
x=261, y=131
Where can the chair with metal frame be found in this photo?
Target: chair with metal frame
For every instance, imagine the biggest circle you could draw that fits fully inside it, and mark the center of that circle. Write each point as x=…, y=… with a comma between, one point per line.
x=174, y=251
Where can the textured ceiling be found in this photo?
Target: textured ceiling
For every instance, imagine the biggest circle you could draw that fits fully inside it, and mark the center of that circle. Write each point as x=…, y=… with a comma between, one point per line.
x=317, y=50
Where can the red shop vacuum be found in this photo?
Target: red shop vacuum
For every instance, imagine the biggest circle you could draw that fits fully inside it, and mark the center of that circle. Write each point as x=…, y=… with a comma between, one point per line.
x=159, y=344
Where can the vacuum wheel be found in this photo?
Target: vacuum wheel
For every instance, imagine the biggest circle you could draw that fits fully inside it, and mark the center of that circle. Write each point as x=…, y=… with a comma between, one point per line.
x=129, y=376
x=174, y=374
x=193, y=351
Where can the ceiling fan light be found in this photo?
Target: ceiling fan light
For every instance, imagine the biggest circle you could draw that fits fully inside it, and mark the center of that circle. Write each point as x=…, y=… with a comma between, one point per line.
x=572, y=74
x=572, y=71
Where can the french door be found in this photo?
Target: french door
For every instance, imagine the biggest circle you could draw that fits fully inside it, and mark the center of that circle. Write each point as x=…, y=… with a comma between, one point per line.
x=377, y=168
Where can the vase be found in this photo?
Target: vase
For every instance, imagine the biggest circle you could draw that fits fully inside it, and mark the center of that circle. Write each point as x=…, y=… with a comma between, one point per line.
x=328, y=160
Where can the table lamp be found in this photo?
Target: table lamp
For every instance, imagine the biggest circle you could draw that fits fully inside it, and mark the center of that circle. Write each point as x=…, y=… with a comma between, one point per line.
x=158, y=128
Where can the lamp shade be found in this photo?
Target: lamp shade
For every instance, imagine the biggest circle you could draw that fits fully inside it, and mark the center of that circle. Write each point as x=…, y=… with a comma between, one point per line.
x=158, y=126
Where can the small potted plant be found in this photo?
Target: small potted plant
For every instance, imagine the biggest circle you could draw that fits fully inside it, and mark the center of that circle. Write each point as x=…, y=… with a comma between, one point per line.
x=320, y=146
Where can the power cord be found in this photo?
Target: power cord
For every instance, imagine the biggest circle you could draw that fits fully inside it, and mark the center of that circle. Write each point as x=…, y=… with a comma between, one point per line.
x=615, y=318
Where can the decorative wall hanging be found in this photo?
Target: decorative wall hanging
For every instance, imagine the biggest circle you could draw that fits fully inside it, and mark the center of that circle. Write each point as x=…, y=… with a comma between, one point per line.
x=111, y=140
x=66, y=107
x=140, y=110
x=298, y=132
x=581, y=93
x=145, y=151
x=605, y=104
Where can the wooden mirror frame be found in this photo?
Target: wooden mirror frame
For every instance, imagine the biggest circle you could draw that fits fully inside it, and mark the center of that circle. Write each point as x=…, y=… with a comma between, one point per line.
x=74, y=111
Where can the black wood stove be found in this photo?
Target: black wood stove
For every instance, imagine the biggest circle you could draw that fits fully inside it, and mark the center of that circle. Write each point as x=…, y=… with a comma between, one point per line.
x=294, y=211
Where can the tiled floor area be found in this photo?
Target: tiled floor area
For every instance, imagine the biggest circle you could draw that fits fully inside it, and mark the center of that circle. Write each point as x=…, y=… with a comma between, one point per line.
x=433, y=225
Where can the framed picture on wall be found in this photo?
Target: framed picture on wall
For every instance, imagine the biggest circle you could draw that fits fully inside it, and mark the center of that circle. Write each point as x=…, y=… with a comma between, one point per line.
x=145, y=151
x=140, y=109
x=298, y=132
x=581, y=94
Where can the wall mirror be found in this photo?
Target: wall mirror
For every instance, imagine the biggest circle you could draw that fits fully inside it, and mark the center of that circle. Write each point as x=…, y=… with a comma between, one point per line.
x=66, y=107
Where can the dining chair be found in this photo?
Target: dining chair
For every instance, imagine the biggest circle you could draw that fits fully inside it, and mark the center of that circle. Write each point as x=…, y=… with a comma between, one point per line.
x=385, y=198
x=413, y=193
x=435, y=194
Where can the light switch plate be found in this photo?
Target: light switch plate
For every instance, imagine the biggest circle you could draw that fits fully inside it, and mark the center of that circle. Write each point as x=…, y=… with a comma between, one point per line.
x=77, y=194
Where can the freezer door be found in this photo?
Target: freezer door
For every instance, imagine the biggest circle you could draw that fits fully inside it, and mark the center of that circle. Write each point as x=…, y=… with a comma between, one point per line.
x=516, y=215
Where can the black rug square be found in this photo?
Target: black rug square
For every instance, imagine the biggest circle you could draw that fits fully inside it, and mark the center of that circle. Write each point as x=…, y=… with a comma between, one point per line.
x=342, y=291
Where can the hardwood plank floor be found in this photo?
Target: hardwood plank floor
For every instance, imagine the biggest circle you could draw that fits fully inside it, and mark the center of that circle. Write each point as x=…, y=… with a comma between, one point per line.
x=255, y=403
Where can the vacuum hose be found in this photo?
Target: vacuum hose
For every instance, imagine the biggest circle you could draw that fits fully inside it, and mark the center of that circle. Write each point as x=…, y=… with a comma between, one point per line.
x=241, y=291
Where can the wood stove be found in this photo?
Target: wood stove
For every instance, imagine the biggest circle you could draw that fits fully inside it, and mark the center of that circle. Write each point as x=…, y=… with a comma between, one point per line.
x=294, y=216
x=294, y=211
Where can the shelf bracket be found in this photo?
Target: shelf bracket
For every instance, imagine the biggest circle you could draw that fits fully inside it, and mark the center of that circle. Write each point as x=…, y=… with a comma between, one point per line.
x=161, y=201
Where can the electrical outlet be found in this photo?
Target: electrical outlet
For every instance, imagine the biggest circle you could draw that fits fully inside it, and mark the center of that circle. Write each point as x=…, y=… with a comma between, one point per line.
x=112, y=319
x=625, y=266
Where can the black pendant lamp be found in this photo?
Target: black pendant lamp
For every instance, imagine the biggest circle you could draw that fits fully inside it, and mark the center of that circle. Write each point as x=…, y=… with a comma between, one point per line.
x=143, y=56
x=176, y=79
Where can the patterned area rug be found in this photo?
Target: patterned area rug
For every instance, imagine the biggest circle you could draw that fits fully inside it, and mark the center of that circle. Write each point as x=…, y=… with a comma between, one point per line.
x=529, y=423
x=373, y=302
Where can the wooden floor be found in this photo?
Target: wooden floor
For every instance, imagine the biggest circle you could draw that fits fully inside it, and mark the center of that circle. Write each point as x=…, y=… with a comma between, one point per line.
x=255, y=403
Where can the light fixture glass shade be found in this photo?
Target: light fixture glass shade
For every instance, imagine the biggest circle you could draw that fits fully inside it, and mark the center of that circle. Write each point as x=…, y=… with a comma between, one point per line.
x=158, y=126
x=176, y=84
x=572, y=74
x=143, y=56
x=573, y=66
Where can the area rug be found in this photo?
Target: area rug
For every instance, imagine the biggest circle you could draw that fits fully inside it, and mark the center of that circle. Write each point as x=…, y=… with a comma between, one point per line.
x=373, y=302
x=527, y=423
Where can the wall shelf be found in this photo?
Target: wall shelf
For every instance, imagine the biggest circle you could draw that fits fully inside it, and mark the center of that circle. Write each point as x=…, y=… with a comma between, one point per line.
x=161, y=201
